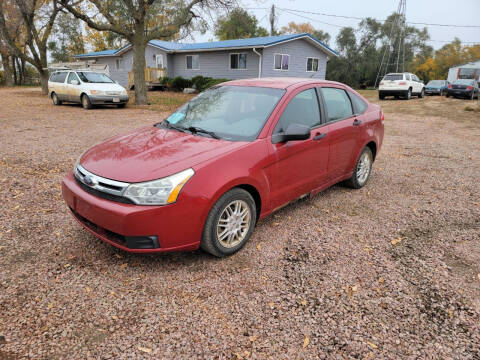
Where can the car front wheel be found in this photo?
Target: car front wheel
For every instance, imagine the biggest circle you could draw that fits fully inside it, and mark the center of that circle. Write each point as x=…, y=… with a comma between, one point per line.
x=362, y=171
x=229, y=224
x=86, y=102
x=56, y=100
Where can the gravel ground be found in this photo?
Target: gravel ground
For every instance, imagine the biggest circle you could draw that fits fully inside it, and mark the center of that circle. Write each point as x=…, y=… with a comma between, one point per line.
x=388, y=271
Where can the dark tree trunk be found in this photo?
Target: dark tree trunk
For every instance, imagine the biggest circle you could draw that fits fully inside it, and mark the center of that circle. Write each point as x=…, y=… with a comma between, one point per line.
x=139, y=68
x=7, y=67
x=44, y=81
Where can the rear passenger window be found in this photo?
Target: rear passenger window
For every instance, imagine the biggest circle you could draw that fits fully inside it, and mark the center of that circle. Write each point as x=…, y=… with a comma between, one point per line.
x=337, y=104
x=358, y=104
x=302, y=109
x=58, y=77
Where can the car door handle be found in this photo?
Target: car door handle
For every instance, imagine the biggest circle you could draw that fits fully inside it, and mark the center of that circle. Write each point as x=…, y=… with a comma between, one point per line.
x=357, y=122
x=319, y=136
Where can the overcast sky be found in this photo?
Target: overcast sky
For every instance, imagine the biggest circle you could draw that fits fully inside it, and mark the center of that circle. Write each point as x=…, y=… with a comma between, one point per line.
x=456, y=12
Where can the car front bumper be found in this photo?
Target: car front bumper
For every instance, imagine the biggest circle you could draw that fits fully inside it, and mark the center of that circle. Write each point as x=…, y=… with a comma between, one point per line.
x=108, y=99
x=433, y=91
x=171, y=227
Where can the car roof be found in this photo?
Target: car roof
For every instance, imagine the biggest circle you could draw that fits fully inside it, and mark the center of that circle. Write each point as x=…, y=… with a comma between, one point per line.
x=278, y=82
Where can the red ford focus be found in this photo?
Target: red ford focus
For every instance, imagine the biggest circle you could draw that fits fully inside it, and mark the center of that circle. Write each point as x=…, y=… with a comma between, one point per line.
x=232, y=155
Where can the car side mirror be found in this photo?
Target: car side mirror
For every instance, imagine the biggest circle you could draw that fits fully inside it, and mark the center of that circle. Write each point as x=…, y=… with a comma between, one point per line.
x=293, y=132
x=74, y=82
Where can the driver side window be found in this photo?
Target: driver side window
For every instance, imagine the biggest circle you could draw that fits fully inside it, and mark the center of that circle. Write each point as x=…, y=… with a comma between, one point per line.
x=302, y=109
x=72, y=76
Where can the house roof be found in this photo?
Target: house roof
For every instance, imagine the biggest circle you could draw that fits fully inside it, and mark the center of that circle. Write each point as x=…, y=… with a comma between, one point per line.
x=260, y=42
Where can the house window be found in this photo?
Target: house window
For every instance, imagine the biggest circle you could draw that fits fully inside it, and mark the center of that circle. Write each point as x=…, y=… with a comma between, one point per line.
x=312, y=64
x=281, y=61
x=118, y=64
x=238, y=61
x=159, y=61
x=193, y=62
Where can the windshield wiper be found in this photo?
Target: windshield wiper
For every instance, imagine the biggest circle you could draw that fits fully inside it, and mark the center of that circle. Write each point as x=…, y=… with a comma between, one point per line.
x=171, y=126
x=196, y=129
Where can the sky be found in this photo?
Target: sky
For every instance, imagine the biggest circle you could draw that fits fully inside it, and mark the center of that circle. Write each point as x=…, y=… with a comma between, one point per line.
x=456, y=12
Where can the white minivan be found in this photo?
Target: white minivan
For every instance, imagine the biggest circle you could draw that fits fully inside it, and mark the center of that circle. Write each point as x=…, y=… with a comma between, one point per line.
x=401, y=84
x=85, y=87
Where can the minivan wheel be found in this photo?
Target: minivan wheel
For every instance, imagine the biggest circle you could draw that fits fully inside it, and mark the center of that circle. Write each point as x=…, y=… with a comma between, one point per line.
x=362, y=171
x=86, y=102
x=229, y=224
x=56, y=100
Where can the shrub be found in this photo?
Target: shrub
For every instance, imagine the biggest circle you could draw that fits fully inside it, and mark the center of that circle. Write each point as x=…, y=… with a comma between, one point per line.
x=180, y=83
x=212, y=82
x=166, y=81
x=202, y=83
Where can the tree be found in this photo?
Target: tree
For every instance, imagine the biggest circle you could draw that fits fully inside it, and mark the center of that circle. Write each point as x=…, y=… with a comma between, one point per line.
x=68, y=38
x=238, y=24
x=103, y=40
x=294, y=28
x=139, y=21
x=38, y=18
x=13, y=28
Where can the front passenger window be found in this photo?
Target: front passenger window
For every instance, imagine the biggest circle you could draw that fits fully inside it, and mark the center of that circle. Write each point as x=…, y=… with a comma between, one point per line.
x=302, y=109
x=337, y=103
x=72, y=77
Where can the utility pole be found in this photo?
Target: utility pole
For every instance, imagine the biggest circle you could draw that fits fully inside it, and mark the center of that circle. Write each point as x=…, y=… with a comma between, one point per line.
x=272, y=20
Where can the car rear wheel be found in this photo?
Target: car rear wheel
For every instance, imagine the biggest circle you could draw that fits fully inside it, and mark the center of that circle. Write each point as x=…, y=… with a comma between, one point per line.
x=472, y=96
x=56, y=100
x=381, y=96
x=86, y=102
x=408, y=96
x=121, y=106
x=229, y=224
x=362, y=171
x=422, y=94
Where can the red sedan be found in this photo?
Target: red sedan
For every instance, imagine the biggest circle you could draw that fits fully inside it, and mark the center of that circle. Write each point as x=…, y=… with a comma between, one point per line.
x=234, y=154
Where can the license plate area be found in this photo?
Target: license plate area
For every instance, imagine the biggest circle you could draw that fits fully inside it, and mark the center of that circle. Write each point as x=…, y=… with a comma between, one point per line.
x=116, y=100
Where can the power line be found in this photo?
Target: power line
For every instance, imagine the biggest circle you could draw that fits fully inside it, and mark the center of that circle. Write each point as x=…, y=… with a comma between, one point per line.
x=381, y=20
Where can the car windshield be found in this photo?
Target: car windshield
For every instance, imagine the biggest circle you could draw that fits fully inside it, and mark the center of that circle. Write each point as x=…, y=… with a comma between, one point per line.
x=393, y=77
x=436, y=83
x=93, y=77
x=463, y=82
x=236, y=113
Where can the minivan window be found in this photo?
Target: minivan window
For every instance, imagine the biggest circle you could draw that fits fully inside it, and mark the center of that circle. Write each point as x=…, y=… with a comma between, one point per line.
x=72, y=77
x=337, y=104
x=93, y=77
x=302, y=109
x=58, y=77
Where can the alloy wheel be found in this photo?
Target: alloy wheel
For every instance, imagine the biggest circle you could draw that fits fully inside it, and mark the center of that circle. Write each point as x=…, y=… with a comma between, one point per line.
x=364, y=168
x=234, y=223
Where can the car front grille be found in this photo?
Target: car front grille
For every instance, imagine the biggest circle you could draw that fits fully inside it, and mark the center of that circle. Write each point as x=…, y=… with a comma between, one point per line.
x=112, y=92
x=101, y=187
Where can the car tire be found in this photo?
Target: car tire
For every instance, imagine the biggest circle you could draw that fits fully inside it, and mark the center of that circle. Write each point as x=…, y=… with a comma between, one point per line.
x=56, y=100
x=86, y=104
x=448, y=95
x=363, y=169
x=472, y=96
x=225, y=214
x=381, y=96
x=408, y=95
x=441, y=93
x=422, y=94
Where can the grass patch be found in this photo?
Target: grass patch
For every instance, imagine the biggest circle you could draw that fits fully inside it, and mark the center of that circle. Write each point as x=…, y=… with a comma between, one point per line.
x=471, y=108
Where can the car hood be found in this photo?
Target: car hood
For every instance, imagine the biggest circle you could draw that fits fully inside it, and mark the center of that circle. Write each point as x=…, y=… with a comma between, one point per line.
x=434, y=86
x=103, y=86
x=152, y=153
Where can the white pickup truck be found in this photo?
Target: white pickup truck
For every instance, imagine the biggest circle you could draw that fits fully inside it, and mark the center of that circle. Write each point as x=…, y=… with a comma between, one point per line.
x=401, y=84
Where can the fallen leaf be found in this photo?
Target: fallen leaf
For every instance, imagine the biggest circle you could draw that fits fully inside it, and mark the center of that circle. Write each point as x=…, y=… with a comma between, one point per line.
x=88, y=290
x=238, y=356
x=306, y=341
x=253, y=338
x=381, y=280
x=113, y=293
x=119, y=256
x=271, y=304
x=450, y=313
x=276, y=223
x=303, y=302
x=66, y=266
x=355, y=288
x=144, y=349
x=259, y=247
x=396, y=241
x=247, y=354
x=16, y=207
x=124, y=265
x=50, y=306
x=348, y=290
x=478, y=275
x=114, y=317
x=372, y=345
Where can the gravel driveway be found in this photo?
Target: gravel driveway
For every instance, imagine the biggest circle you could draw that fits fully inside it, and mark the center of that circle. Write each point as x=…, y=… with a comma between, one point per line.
x=388, y=271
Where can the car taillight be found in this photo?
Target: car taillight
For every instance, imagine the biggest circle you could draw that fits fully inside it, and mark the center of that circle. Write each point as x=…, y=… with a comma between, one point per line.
x=469, y=88
x=382, y=116
x=449, y=86
x=402, y=83
x=381, y=82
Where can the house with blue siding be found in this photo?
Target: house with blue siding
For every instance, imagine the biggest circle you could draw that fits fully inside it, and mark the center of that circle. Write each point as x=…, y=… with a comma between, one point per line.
x=295, y=55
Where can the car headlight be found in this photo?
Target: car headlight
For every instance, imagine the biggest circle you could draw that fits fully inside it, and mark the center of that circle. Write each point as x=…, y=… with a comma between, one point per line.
x=97, y=92
x=123, y=92
x=158, y=192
